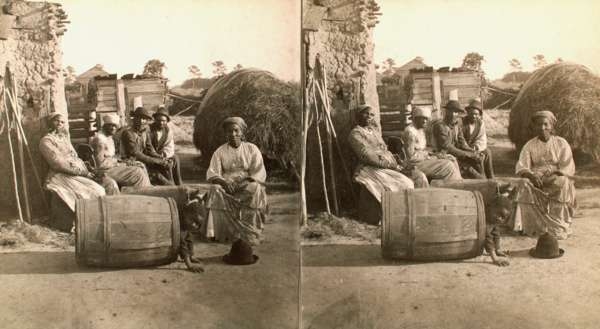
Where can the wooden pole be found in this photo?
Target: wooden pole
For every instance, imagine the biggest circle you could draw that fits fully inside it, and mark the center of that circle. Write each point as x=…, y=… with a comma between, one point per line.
x=339, y=150
x=35, y=171
x=321, y=156
x=334, y=196
x=305, y=125
x=13, y=166
x=16, y=111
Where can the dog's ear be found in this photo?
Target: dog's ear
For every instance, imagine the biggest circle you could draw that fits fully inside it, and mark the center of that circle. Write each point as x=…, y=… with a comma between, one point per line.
x=504, y=189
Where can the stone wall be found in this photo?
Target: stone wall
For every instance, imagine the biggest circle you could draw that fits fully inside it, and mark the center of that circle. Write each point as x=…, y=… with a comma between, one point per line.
x=33, y=53
x=343, y=43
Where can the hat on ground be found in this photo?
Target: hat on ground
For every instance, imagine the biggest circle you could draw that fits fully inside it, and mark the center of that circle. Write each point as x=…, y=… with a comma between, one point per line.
x=421, y=112
x=475, y=104
x=161, y=111
x=240, y=254
x=141, y=112
x=112, y=119
x=235, y=120
x=454, y=106
x=546, y=247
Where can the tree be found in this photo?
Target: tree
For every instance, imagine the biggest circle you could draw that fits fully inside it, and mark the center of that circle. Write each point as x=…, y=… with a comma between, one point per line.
x=154, y=68
x=69, y=74
x=195, y=73
x=237, y=67
x=472, y=61
x=389, y=64
x=219, y=68
x=515, y=65
x=539, y=61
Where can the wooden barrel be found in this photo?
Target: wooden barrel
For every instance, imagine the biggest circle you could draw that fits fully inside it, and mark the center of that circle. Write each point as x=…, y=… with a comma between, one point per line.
x=181, y=194
x=432, y=224
x=126, y=231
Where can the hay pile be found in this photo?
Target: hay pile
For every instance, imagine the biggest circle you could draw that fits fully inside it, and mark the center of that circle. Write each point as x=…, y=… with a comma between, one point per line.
x=270, y=107
x=572, y=93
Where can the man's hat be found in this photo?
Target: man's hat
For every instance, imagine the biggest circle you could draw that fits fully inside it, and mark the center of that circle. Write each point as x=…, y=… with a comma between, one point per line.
x=475, y=104
x=454, y=106
x=240, y=254
x=141, y=112
x=546, y=247
x=161, y=111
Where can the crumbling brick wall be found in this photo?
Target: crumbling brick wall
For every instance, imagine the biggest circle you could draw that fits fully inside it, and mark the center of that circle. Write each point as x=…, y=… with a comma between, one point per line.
x=33, y=53
x=343, y=43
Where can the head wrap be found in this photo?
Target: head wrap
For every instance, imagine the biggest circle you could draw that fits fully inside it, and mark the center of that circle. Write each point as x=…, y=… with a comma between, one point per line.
x=235, y=120
x=421, y=112
x=545, y=114
x=110, y=119
x=54, y=115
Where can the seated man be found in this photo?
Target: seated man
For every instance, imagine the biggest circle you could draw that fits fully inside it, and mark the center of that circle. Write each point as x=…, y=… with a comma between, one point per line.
x=433, y=165
x=130, y=173
x=378, y=169
x=448, y=138
x=68, y=176
x=134, y=145
x=476, y=137
x=162, y=145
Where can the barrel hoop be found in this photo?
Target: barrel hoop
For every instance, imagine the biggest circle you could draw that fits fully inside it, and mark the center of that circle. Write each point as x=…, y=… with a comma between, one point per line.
x=481, y=222
x=80, y=236
x=412, y=220
x=385, y=229
x=107, y=222
x=175, y=234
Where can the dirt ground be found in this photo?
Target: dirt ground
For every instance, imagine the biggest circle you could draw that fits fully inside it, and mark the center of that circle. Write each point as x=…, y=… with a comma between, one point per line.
x=347, y=284
x=43, y=287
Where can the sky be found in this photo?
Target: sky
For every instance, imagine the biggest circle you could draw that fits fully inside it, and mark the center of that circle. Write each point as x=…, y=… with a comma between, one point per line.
x=443, y=31
x=123, y=35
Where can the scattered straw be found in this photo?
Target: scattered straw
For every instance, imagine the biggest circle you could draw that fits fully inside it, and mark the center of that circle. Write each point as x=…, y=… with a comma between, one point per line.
x=323, y=226
x=15, y=235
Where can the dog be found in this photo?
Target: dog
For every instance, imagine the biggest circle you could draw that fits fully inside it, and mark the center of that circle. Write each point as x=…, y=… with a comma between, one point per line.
x=497, y=215
x=191, y=219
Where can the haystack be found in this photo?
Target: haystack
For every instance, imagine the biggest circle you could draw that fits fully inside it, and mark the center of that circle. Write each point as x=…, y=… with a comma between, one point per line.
x=572, y=93
x=270, y=107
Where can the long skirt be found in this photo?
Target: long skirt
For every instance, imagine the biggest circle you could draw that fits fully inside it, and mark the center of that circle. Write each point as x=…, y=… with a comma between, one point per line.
x=377, y=180
x=238, y=216
x=547, y=210
x=70, y=188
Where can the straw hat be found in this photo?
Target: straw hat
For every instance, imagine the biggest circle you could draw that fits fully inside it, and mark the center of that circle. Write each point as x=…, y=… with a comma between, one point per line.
x=112, y=119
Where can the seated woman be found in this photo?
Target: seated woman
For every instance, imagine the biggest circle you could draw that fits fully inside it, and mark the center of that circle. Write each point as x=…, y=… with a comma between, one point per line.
x=378, y=169
x=68, y=176
x=546, y=203
x=237, y=200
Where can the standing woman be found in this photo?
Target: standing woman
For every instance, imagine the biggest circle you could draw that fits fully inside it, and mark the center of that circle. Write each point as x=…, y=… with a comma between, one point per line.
x=547, y=203
x=237, y=201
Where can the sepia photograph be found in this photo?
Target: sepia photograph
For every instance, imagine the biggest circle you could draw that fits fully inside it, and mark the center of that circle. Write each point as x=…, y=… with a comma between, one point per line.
x=150, y=172
x=451, y=164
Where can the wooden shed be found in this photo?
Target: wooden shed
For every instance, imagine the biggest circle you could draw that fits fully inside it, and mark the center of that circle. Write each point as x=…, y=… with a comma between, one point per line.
x=432, y=89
